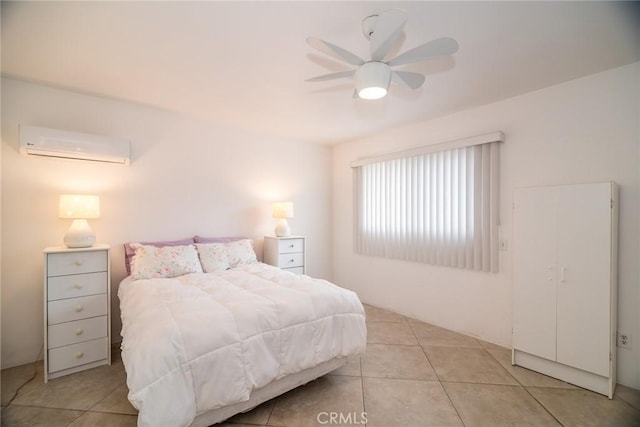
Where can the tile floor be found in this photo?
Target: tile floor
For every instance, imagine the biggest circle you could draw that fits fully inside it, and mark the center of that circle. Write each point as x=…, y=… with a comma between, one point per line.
x=414, y=374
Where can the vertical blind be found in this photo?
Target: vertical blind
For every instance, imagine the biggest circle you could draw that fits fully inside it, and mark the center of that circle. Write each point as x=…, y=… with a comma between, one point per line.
x=435, y=207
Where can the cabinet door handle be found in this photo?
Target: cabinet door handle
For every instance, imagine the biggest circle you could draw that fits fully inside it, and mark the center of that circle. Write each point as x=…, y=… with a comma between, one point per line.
x=79, y=308
x=78, y=262
x=563, y=272
x=79, y=331
x=78, y=286
x=79, y=355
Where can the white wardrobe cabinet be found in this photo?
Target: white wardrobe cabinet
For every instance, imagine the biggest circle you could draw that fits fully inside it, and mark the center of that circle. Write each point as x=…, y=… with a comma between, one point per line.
x=564, y=272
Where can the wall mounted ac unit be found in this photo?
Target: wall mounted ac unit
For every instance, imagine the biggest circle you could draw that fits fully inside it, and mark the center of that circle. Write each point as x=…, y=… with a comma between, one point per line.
x=46, y=142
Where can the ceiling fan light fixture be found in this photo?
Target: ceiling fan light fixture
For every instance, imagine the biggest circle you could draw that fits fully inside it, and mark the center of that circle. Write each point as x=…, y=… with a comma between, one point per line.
x=372, y=93
x=372, y=80
x=373, y=77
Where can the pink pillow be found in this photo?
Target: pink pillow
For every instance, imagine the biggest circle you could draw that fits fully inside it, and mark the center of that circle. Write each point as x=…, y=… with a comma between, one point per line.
x=129, y=251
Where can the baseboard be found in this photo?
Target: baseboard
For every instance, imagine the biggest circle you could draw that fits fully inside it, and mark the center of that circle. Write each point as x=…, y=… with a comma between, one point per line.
x=584, y=379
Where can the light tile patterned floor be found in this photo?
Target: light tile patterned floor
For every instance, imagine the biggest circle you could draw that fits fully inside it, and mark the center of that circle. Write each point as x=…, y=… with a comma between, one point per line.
x=414, y=374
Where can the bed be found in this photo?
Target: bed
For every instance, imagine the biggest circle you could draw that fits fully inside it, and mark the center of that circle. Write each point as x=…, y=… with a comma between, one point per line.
x=203, y=346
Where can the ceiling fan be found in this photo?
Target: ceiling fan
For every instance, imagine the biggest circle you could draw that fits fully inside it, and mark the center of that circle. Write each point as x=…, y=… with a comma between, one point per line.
x=372, y=77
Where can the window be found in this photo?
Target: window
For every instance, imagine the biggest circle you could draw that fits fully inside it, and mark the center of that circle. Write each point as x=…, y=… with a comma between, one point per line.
x=436, y=205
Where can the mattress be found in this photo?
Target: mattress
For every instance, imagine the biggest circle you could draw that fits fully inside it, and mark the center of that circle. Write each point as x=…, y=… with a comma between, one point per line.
x=200, y=342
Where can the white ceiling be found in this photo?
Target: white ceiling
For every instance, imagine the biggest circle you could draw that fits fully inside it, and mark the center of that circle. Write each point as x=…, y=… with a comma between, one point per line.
x=244, y=63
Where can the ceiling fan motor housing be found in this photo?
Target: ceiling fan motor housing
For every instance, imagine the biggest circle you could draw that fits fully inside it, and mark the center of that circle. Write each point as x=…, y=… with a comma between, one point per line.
x=372, y=80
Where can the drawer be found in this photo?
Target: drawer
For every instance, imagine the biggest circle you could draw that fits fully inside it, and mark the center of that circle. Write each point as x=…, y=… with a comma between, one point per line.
x=291, y=260
x=67, y=310
x=286, y=246
x=61, y=264
x=77, y=354
x=76, y=285
x=296, y=270
x=74, y=332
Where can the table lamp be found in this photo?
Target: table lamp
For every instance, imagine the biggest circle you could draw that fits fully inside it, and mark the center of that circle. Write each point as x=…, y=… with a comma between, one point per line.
x=79, y=207
x=282, y=211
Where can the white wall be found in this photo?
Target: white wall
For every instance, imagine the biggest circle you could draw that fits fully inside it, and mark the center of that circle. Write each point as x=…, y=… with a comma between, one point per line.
x=585, y=130
x=187, y=177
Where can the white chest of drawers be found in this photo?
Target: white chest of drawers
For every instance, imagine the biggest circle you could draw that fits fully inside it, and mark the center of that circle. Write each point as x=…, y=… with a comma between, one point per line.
x=288, y=253
x=77, y=309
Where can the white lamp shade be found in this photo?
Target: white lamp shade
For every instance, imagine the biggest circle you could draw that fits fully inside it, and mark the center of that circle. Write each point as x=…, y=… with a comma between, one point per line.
x=79, y=206
x=283, y=210
x=372, y=80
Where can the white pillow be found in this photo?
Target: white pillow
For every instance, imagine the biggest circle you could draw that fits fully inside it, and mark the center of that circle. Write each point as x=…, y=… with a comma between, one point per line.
x=241, y=252
x=213, y=256
x=165, y=261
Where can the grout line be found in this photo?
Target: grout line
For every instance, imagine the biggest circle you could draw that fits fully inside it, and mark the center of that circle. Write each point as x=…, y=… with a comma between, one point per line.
x=472, y=383
x=364, y=404
x=111, y=412
x=400, y=322
x=443, y=387
x=543, y=406
x=502, y=367
x=452, y=404
x=76, y=418
x=425, y=354
x=439, y=380
x=519, y=385
x=394, y=345
x=273, y=407
x=524, y=387
x=105, y=396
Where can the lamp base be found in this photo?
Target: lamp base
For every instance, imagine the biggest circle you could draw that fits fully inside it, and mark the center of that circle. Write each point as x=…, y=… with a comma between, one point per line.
x=79, y=235
x=282, y=229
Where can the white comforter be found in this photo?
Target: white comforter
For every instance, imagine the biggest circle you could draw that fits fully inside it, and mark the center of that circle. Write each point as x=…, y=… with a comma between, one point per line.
x=202, y=341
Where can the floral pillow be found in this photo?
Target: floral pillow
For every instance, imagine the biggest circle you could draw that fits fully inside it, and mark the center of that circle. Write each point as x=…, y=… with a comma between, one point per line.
x=165, y=261
x=129, y=251
x=222, y=256
x=213, y=256
x=241, y=252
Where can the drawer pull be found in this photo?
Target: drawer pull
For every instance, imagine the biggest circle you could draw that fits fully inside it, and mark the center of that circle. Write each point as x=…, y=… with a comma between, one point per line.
x=79, y=355
x=79, y=308
x=78, y=262
x=79, y=331
x=78, y=286
x=292, y=260
x=292, y=246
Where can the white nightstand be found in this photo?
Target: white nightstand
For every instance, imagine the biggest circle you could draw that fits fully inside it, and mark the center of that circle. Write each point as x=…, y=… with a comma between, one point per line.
x=77, y=309
x=288, y=253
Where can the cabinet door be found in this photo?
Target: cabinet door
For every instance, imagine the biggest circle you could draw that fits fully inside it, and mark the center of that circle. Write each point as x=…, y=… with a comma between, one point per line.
x=584, y=276
x=534, y=271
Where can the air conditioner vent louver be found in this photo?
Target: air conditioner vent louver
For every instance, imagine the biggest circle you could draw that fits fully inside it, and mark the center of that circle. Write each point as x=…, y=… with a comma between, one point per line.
x=39, y=141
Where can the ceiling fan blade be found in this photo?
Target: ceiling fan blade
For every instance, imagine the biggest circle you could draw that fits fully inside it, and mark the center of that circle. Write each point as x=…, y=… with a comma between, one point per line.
x=335, y=51
x=433, y=49
x=331, y=76
x=407, y=78
x=387, y=29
